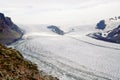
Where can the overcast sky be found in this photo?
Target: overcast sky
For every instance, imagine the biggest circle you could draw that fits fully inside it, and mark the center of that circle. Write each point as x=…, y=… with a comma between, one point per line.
x=60, y=12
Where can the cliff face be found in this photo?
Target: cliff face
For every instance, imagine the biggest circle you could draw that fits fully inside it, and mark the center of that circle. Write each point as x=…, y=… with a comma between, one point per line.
x=109, y=36
x=114, y=35
x=9, y=32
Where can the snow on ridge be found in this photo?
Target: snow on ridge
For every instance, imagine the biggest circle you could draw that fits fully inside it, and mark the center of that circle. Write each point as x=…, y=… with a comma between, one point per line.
x=109, y=33
x=111, y=24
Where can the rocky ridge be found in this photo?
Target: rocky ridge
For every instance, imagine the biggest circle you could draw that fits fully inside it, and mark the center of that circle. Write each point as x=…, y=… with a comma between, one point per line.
x=110, y=33
x=9, y=32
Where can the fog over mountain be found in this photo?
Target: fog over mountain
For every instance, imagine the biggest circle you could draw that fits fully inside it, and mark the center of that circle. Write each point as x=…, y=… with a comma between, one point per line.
x=60, y=12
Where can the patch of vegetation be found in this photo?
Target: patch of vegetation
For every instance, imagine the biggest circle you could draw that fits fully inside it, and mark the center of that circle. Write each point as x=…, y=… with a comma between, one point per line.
x=13, y=66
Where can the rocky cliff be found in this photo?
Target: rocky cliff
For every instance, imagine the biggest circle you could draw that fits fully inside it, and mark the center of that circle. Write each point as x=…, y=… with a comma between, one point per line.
x=114, y=35
x=9, y=32
x=111, y=33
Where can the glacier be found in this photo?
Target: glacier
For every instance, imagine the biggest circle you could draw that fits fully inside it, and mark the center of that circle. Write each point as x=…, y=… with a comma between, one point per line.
x=72, y=56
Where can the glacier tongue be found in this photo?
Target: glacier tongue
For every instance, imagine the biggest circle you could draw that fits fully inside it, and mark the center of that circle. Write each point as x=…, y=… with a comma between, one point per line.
x=73, y=56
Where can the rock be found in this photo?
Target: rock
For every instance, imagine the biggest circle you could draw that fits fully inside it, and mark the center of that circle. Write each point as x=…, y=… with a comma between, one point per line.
x=2, y=17
x=9, y=32
x=101, y=25
x=114, y=35
x=111, y=36
x=8, y=21
x=56, y=29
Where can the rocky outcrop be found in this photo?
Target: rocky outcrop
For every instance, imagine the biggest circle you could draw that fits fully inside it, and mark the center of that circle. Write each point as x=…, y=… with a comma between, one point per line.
x=9, y=32
x=107, y=30
x=101, y=25
x=56, y=29
x=110, y=36
x=114, y=35
x=13, y=66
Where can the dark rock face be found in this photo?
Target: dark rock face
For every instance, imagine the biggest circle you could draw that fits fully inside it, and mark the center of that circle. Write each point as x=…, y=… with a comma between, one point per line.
x=101, y=25
x=2, y=17
x=56, y=29
x=9, y=32
x=112, y=36
x=8, y=21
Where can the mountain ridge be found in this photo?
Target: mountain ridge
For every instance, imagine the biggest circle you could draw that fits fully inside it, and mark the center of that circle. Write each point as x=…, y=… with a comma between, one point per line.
x=9, y=32
x=110, y=33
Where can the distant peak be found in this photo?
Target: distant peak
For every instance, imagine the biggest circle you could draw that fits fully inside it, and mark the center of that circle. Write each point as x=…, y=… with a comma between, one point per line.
x=2, y=17
x=56, y=29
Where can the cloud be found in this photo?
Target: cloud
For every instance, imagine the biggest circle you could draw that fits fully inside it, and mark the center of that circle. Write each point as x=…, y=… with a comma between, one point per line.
x=60, y=12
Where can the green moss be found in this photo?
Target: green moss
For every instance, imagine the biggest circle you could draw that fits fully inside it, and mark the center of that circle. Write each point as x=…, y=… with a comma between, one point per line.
x=13, y=66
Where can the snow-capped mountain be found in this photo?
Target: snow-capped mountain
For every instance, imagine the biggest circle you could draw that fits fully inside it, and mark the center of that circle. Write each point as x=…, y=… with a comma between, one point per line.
x=110, y=32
